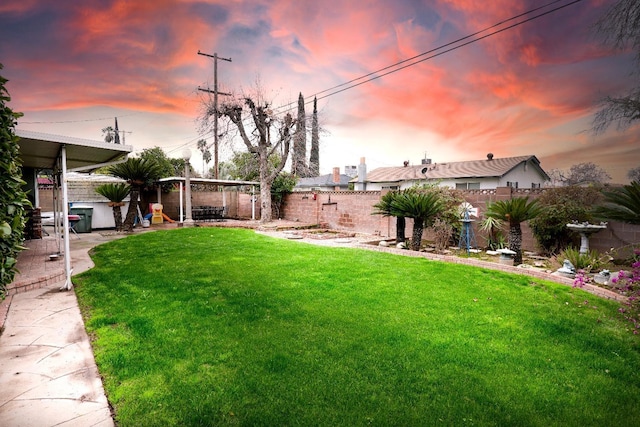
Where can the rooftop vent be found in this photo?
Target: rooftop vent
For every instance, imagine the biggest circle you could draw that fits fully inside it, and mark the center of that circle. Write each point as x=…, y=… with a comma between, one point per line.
x=490, y=156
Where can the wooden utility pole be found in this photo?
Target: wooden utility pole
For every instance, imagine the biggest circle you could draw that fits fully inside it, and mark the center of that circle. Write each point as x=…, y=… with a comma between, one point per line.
x=215, y=107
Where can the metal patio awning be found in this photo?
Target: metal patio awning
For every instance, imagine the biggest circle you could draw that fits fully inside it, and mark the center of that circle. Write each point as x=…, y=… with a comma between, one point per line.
x=41, y=151
x=63, y=154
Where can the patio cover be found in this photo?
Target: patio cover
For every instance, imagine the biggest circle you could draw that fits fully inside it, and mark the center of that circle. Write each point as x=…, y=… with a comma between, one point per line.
x=219, y=182
x=64, y=154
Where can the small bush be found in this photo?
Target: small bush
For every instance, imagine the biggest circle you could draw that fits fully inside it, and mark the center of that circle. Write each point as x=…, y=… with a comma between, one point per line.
x=561, y=206
x=591, y=261
x=629, y=284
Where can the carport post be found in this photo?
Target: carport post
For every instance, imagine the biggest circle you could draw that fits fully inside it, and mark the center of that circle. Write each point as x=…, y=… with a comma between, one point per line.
x=65, y=218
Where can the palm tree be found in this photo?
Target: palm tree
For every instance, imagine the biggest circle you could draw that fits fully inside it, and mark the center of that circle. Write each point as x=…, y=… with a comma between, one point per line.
x=422, y=206
x=514, y=211
x=116, y=194
x=383, y=207
x=137, y=172
x=621, y=204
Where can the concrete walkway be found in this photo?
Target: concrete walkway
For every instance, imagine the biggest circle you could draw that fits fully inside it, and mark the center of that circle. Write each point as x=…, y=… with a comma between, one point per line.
x=48, y=375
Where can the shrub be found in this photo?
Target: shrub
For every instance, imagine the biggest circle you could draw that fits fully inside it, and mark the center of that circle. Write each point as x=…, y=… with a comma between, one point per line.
x=561, y=206
x=629, y=284
x=13, y=199
x=588, y=262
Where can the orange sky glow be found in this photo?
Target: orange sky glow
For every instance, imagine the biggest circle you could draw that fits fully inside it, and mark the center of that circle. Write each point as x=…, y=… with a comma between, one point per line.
x=533, y=89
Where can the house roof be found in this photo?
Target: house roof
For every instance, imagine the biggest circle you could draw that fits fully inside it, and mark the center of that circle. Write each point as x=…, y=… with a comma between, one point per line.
x=323, y=181
x=494, y=168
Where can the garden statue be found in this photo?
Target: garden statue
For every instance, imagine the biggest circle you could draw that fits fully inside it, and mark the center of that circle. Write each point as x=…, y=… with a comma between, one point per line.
x=567, y=269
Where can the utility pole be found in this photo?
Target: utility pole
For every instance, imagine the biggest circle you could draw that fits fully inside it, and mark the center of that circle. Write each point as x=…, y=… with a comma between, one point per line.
x=215, y=107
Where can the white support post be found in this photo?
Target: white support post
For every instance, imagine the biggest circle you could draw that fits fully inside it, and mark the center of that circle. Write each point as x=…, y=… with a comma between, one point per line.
x=68, y=285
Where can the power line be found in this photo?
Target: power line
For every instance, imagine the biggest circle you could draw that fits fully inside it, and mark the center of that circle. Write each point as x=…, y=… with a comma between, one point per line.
x=75, y=121
x=374, y=74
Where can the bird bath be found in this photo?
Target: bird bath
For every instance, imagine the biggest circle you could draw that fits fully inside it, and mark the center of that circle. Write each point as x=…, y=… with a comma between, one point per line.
x=586, y=230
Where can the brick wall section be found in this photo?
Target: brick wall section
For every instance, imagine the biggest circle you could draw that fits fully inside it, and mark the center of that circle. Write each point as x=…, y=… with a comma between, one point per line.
x=351, y=211
x=616, y=235
x=339, y=210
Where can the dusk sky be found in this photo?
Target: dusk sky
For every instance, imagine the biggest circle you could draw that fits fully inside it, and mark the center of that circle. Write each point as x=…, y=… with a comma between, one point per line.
x=531, y=90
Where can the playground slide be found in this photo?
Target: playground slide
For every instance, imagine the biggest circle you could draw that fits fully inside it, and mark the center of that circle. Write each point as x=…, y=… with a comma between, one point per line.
x=164, y=216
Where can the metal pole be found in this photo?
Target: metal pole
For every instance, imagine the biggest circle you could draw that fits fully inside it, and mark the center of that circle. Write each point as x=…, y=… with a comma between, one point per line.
x=187, y=183
x=181, y=208
x=65, y=218
x=215, y=116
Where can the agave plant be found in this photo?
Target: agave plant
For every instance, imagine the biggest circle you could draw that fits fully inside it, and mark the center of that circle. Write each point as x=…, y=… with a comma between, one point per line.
x=116, y=193
x=514, y=211
x=621, y=204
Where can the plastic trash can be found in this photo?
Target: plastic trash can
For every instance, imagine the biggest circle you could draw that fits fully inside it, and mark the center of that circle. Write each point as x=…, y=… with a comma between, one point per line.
x=86, y=217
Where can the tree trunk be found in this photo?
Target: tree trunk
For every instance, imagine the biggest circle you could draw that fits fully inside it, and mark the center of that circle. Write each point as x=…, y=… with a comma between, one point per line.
x=515, y=242
x=127, y=226
x=416, y=239
x=401, y=223
x=265, y=202
x=117, y=216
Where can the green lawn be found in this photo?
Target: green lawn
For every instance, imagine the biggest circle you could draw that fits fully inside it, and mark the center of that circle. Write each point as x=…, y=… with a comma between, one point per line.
x=208, y=326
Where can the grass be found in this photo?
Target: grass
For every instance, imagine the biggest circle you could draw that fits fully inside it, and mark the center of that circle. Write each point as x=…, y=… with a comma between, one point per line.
x=217, y=326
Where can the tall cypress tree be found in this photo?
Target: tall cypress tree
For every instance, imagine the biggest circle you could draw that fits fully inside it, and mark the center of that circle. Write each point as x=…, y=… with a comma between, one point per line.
x=314, y=158
x=298, y=164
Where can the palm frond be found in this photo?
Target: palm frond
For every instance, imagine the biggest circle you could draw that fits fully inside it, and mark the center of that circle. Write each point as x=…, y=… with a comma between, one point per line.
x=114, y=192
x=621, y=204
x=514, y=211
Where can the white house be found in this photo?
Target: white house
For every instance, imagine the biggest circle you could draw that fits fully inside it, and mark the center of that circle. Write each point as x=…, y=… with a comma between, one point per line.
x=489, y=173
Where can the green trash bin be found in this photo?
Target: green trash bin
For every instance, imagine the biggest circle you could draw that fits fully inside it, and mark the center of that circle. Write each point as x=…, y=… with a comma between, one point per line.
x=86, y=216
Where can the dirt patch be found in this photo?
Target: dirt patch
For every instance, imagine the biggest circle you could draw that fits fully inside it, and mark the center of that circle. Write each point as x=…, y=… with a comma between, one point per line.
x=326, y=234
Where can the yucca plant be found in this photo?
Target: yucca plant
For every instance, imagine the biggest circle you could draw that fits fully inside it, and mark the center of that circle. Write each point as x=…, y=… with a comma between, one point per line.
x=621, y=204
x=492, y=226
x=116, y=193
x=514, y=211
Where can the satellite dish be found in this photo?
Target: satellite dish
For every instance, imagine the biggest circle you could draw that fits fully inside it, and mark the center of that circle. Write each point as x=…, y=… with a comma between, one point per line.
x=467, y=208
x=108, y=137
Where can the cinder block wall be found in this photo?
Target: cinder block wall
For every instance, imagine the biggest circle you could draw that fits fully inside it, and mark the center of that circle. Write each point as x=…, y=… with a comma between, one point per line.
x=352, y=211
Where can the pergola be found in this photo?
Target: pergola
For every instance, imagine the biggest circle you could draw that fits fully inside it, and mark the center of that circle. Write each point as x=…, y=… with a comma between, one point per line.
x=64, y=154
x=217, y=182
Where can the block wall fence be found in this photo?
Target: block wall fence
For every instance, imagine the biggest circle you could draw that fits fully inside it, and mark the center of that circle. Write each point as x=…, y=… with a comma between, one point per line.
x=351, y=211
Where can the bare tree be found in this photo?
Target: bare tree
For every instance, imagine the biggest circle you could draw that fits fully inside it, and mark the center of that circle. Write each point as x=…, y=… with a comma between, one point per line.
x=634, y=174
x=586, y=173
x=259, y=141
x=620, y=27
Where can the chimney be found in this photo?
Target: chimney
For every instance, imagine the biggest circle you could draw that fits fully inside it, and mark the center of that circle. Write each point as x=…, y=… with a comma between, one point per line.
x=362, y=175
x=490, y=156
x=336, y=179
